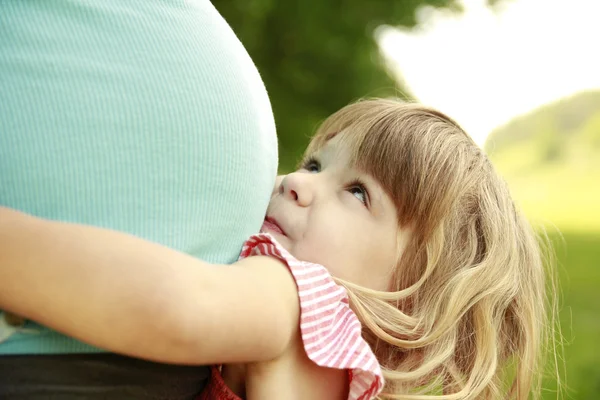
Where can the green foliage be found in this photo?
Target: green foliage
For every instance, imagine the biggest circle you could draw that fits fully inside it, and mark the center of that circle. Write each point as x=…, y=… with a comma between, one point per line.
x=549, y=140
x=551, y=160
x=316, y=56
x=555, y=128
x=590, y=132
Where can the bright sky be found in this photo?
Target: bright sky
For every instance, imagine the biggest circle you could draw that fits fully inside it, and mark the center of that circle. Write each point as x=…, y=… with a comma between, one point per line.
x=484, y=66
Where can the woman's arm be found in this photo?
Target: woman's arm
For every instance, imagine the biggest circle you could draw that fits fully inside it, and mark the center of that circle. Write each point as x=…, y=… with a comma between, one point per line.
x=141, y=299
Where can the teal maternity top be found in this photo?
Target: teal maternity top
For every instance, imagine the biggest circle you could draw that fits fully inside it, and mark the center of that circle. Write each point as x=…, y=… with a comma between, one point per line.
x=146, y=117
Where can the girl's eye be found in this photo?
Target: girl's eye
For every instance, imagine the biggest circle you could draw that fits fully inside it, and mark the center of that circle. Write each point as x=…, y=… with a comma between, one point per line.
x=359, y=191
x=312, y=165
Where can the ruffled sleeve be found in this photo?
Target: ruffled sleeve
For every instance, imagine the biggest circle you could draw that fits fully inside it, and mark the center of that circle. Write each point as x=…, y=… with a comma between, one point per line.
x=331, y=332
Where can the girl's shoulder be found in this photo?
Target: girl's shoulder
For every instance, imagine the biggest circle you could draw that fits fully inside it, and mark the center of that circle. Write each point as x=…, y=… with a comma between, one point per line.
x=330, y=331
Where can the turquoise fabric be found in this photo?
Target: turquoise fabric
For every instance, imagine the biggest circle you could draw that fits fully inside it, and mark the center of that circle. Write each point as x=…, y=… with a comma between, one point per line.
x=147, y=117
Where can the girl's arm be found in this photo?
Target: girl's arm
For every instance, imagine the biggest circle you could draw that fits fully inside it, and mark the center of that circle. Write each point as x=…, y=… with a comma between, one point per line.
x=138, y=298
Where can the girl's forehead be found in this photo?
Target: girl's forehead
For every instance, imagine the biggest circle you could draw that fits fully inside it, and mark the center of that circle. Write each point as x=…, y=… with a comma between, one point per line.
x=344, y=140
x=334, y=146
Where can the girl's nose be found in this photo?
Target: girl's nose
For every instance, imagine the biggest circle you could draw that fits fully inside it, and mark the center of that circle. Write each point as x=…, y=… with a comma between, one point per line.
x=297, y=187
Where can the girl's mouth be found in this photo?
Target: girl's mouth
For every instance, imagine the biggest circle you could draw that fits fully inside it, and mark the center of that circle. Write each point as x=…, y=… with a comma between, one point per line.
x=271, y=225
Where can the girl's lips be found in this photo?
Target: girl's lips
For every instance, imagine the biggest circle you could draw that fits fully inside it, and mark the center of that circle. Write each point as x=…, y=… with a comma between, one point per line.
x=271, y=225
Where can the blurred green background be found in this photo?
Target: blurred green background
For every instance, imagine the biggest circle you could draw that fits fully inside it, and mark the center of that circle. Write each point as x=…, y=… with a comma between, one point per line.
x=316, y=56
x=551, y=160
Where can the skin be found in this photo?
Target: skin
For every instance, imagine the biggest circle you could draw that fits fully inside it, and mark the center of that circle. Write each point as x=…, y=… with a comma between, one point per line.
x=141, y=299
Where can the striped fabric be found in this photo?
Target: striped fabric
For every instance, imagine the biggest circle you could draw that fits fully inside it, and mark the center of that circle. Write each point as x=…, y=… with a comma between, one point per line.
x=331, y=332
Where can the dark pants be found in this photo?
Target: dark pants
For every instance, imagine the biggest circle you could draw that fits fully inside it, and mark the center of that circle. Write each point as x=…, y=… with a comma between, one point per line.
x=96, y=376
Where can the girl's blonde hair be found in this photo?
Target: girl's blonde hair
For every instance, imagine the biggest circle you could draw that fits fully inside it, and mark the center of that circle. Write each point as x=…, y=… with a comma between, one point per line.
x=467, y=315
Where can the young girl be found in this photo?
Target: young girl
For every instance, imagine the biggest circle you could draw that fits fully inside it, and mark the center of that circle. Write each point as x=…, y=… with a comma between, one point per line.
x=395, y=251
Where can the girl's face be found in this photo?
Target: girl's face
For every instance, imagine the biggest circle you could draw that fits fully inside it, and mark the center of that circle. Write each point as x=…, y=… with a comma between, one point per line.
x=330, y=213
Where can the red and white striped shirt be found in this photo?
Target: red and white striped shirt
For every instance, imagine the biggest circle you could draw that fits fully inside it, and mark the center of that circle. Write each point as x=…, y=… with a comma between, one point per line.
x=331, y=332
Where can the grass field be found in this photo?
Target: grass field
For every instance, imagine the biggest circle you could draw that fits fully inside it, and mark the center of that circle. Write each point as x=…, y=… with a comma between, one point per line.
x=565, y=198
x=578, y=256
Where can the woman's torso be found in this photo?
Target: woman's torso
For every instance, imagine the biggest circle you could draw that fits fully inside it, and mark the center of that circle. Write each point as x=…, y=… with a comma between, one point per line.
x=146, y=117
